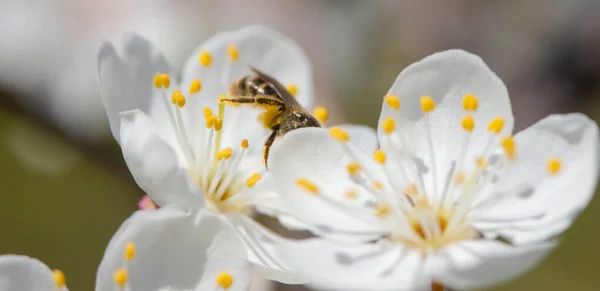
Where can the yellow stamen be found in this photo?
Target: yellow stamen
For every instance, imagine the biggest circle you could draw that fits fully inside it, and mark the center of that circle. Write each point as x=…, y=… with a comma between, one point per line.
x=379, y=156
x=178, y=98
x=233, y=52
x=427, y=104
x=162, y=81
x=339, y=134
x=224, y=154
x=496, y=125
x=218, y=124
x=211, y=121
x=351, y=194
x=481, y=162
x=307, y=185
x=129, y=251
x=554, y=165
x=195, y=86
x=470, y=102
x=378, y=185
x=392, y=101
x=244, y=143
x=459, y=178
x=207, y=112
x=382, y=210
x=353, y=168
x=59, y=278
x=205, y=58
x=120, y=276
x=253, y=179
x=388, y=125
x=224, y=280
x=411, y=190
x=508, y=143
x=321, y=114
x=293, y=89
x=468, y=123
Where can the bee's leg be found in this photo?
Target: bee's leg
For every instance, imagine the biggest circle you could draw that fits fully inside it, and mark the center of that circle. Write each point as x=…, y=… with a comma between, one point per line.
x=269, y=143
x=262, y=100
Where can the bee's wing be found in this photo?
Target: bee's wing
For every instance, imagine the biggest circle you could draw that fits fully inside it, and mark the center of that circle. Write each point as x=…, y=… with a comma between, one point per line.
x=282, y=92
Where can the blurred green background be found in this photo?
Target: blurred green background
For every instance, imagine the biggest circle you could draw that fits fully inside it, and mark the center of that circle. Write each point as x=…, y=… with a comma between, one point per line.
x=65, y=188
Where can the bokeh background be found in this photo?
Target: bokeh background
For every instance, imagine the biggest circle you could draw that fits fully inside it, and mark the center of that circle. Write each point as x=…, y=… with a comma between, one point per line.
x=65, y=189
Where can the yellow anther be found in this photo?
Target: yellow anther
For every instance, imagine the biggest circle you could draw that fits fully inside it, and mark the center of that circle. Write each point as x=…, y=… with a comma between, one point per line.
x=481, y=162
x=308, y=185
x=508, y=143
x=178, y=98
x=379, y=156
x=321, y=114
x=293, y=89
x=470, y=102
x=205, y=58
x=59, y=278
x=224, y=154
x=496, y=125
x=382, y=210
x=388, y=125
x=244, y=143
x=195, y=86
x=553, y=166
x=207, y=112
x=339, y=134
x=378, y=185
x=218, y=124
x=422, y=202
x=129, y=251
x=353, y=168
x=162, y=81
x=224, y=280
x=233, y=52
x=459, y=178
x=427, y=104
x=253, y=179
x=351, y=194
x=468, y=123
x=392, y=101
x=211, y=121
x=120, y=276
x=411, y=190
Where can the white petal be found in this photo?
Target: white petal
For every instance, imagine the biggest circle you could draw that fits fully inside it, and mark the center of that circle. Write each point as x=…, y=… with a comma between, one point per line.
x=310, y=153
x=260, y=47
x=482, y=263
x=558, y=199
x=154, y=164
x=358, y=267
x=446, y=77
x=261, y=244
x=126, y=80
x=25, y=273
x=362, y=136
x=175, y=249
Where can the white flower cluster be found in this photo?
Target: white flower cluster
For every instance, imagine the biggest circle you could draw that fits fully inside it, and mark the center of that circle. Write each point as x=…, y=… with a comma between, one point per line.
x=442, y=195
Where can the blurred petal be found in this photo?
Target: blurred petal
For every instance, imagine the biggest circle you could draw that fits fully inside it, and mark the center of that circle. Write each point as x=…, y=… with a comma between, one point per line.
x=125, y=79
x=482, y=263
x=175, y=249
x=154, y=164
x=357, y=267
x=25, y=273
x=558, y=199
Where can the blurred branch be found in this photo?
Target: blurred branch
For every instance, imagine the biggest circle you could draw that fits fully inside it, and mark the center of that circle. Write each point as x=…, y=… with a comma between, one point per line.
x=107, y=155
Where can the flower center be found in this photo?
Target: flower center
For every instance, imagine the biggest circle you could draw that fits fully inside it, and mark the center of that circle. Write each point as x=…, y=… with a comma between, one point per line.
x=213, y=168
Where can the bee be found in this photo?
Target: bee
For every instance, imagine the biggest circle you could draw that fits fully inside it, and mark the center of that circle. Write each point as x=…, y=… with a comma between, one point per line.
x=282, y=112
